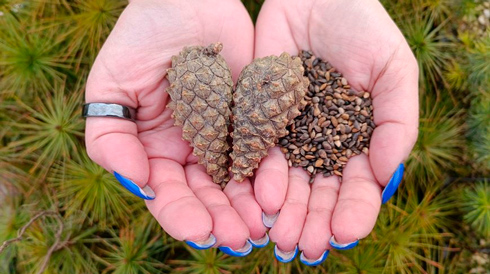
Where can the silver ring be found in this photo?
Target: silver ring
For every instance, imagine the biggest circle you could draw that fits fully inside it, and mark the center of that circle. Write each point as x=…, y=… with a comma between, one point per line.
x=108, y=110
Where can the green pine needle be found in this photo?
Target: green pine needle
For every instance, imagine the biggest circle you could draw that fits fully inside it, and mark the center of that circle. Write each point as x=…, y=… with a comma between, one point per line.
x=46, y=49
x=479, y=128
x=76, y=256
x=369, y=258
x=13, y=216
x=440, y=144
x=210, y=261
x=133, y=250
x=456, y=76
x=438, y=10
x=408, y=251
x=430, y=50
x=83, y=185
x=479, y=64
x=89, y=23
x=50, y=129
x=431, y=213
x=11, y=175
x=30, y=60
x=476, y=205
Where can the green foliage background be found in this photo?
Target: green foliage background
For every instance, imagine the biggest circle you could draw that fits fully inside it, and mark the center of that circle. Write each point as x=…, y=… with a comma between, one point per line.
x=439, y=221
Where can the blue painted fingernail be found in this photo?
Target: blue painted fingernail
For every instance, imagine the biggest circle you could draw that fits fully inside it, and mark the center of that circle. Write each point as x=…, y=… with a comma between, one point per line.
x=269, y=220
x=285, y=257
x=262, y=242
x=242, y=252
x=393, y=184
x=145, y=193
x=316, y=262
x=336, y=245
x=209, y=242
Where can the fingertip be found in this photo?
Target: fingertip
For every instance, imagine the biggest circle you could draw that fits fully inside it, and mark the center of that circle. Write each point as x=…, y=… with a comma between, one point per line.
x=271, y=181
x=285, y=256
x=343, y=245
x=317, y=229
x=269, y=220
x=314, y=262
x=259, y=243
x=204, y=244
x=242, y=199
x=180, y=213
x=185, y=219
x=241, y=252
x=359, y=202
x=146, y=192
x=230, y=230
x=393, y=184
x=286, y=231
x=113, y=144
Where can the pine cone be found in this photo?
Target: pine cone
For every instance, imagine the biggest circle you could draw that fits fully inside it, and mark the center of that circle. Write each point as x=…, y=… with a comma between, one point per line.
x=201, y=88
x=268, y=96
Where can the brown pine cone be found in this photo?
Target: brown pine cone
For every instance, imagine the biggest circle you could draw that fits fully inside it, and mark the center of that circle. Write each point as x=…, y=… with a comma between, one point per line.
x=268, y=96
x=201, y=91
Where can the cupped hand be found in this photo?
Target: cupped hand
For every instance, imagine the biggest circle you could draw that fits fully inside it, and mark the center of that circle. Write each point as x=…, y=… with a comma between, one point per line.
x=362, y=42
x=148, y=156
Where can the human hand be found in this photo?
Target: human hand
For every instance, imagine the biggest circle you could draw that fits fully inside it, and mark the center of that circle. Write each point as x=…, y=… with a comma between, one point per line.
x=362, y=42
x=148, y=156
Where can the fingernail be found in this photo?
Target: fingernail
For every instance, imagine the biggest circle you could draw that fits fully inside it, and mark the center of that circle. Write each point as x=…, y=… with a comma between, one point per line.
x=285, y=257
x=262, y=242
x=336, y=245
x=242, y=252
x=145, y=193
x=316, y=262
x=209, y=242
x=393, y=184
x=269, y=220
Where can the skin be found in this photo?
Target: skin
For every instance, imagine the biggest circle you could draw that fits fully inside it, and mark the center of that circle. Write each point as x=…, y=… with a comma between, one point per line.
x=357, y=37
x=130, y=70
x=362, y=42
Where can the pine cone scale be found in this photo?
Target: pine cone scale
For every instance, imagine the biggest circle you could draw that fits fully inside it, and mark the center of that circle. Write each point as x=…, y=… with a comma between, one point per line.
x=201, y=87
x=266, y=100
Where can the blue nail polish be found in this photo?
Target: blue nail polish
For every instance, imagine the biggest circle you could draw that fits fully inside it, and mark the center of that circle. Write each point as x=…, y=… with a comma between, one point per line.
x=285, y=257
x=145, y=193
x=336, y=245
x=242, y=252
x=269, y=220
x=316, y=262
x=393, y=184
x=262, y=242
x=204, y=244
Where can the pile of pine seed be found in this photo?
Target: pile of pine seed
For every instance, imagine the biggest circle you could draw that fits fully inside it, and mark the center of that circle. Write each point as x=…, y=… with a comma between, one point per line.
x=335, y=125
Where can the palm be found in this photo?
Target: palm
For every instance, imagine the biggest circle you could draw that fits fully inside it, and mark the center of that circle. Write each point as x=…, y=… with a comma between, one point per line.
x=361, y=41
x=130, y=70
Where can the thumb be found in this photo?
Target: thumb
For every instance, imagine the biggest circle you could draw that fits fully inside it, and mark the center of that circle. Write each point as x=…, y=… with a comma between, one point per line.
x=113, y=143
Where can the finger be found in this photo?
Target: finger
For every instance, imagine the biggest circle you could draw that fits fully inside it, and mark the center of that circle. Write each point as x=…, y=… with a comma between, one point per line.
x=287, y=229
x=316, y=231
x=273, y=31
x=387, y=68
x=113, y=144
x=241, y=196
x=228, y=228
x=271, y=184
x=358, y=203
x=233, y=19
x=180, y=213
x=396, y=127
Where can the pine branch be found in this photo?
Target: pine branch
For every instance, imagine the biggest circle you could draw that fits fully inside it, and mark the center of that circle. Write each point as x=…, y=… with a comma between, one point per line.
x=56, y=245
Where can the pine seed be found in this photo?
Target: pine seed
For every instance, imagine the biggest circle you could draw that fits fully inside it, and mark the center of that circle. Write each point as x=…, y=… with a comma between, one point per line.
x=335, y=125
